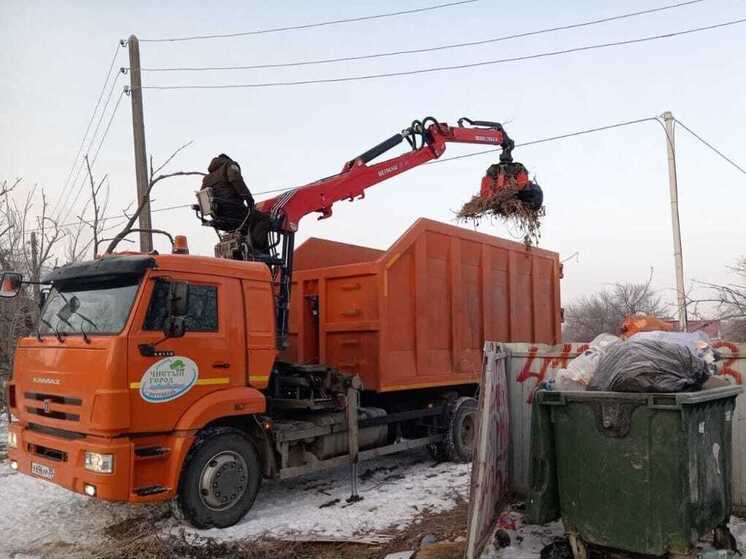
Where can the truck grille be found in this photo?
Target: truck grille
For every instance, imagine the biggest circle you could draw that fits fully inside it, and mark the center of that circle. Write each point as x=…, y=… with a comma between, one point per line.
x=53, y=398
x=48, y=453
x=53, y=414
x=45, y=430
x=38, y=403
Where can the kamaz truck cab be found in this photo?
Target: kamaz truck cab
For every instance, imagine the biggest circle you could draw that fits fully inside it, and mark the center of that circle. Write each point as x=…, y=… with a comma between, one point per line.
x=133, y=356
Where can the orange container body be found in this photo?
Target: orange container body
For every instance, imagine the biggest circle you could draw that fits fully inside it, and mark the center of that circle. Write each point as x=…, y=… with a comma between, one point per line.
x=417, y=315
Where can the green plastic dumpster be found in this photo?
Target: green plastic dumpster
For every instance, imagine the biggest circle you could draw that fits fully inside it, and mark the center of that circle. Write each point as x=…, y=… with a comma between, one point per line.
x=642, y=473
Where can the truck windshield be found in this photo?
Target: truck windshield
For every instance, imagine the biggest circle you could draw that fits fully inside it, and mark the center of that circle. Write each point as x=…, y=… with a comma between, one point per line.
x=100, y=307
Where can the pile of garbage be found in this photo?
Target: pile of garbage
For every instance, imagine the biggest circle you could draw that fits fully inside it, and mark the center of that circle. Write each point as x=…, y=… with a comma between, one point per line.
x=648, y=357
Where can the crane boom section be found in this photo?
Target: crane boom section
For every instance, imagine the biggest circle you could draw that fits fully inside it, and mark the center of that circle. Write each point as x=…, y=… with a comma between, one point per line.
x=357, y=175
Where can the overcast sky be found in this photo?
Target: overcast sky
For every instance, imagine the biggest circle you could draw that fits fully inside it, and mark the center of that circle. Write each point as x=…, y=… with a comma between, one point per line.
x=606, y=194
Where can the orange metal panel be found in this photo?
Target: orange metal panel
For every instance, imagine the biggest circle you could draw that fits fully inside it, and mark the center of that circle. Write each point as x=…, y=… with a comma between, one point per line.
x=417, y=315
x=320, y=253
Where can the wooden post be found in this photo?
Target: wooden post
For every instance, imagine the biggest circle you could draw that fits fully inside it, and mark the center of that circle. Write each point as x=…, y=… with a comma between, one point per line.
x=353, y=404
x=35, y=271
x=138, y=129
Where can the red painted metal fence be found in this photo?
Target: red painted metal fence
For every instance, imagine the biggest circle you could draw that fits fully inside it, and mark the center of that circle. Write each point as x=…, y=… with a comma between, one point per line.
x=489, y=471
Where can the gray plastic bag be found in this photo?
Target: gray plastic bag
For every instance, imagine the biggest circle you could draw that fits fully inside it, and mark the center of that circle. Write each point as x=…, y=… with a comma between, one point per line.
x=649, y=366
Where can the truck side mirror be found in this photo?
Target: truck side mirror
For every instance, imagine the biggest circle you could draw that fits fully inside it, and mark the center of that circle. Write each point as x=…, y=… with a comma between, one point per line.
x=173, y=326
x=43, y=294
x=179, y=298
x=10, y=284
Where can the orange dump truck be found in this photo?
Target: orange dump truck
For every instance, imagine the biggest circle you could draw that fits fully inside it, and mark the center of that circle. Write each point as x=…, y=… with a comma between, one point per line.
x=111, y=402
x=186, y=378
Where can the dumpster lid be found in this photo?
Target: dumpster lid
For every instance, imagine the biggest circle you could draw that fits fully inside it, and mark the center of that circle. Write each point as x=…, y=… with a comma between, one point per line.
x=653, y=400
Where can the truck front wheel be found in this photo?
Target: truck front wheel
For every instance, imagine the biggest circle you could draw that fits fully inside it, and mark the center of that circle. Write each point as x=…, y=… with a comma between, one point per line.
x=220, y=479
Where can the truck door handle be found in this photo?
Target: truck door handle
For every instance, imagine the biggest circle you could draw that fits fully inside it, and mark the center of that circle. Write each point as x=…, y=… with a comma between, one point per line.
x=221, y=365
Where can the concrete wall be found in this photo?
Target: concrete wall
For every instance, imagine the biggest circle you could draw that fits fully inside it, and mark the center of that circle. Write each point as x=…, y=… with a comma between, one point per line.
x=530, y=364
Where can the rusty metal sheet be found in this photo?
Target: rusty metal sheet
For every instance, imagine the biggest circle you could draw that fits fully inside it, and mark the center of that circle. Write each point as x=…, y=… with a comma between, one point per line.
x=528, y=365
x=489, y=471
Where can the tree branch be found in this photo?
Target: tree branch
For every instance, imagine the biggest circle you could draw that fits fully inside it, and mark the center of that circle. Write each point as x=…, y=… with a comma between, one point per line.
x=146, y=195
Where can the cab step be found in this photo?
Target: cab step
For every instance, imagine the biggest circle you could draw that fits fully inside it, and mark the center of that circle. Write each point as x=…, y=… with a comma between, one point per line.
x=152, y=452
x=150, y=490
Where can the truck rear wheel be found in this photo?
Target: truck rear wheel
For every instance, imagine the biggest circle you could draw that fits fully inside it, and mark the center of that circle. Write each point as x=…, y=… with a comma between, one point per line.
x=220, y=479
x=458, y=442
x=462, y=427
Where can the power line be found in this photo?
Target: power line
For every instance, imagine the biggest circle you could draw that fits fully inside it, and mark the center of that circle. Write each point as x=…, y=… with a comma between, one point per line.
x=104, y=219
x=709, y=145
x=529, y=143
x=474, y=154
x=428, y=49
x=88, y=128
x=81, y=162
x=548, y=139
x=454, y=67
x=95, y=156
x=308, y=25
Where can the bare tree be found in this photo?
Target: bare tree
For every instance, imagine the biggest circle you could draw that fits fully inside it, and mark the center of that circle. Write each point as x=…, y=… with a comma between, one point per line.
x=728, y=302
x=27, y=244
x=604, y=312
x=154, y=179
x=42, y=240
x=9, y=239
x=87, y=234
x=6, y=187
x=734, y=330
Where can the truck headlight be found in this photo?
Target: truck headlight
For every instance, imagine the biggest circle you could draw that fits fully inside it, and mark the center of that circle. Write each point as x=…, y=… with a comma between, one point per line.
x=99, y=463
x=12, y=439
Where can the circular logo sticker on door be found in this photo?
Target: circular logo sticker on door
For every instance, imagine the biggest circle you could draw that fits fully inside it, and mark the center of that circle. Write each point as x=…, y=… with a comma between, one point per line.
x=168, y=379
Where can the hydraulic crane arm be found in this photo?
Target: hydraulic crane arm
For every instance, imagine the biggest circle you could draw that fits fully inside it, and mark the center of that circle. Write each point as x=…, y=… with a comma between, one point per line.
x=427, y=138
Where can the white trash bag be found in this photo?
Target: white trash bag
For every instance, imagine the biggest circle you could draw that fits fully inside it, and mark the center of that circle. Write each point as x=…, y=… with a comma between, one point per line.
x=580, y=370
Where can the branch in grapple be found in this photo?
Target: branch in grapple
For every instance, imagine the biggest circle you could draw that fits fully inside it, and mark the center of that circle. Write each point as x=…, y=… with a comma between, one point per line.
x=509, y=195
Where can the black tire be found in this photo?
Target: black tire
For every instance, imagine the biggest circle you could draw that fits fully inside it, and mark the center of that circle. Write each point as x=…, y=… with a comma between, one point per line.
x=461, y=432
x=220, y=479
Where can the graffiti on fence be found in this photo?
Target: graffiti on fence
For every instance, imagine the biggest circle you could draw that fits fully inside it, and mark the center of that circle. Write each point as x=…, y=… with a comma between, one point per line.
x=489, y=480
x=537, y=366
x=540, y=360
x=731, y=358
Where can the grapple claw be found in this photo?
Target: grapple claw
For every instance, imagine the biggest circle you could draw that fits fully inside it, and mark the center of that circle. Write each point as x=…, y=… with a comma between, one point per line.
x=507, y=193
x=503, y=180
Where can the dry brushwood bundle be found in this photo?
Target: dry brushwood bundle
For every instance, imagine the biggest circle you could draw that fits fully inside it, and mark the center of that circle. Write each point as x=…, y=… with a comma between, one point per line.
x=507, y=195
x=509, y=209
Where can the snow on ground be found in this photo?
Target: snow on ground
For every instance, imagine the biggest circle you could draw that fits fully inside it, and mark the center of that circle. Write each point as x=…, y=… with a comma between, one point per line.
x=527, y=540
x=738, y=528
x=41, y=519
x=394, y=490
x=36, y=516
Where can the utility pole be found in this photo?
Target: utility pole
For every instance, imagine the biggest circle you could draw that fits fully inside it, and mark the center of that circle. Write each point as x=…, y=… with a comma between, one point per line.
x=674, y=190
x=35, y=269
x=138, y=129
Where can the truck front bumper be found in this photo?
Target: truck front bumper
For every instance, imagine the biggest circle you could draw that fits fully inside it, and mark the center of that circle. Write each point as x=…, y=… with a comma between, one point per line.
x=60, y=459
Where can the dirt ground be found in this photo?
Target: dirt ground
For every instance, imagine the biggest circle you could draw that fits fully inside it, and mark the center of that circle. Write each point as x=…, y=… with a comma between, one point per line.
x=135, y=538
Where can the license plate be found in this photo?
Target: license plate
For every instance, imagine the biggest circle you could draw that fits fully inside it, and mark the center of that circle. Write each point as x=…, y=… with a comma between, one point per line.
x=42, y=471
